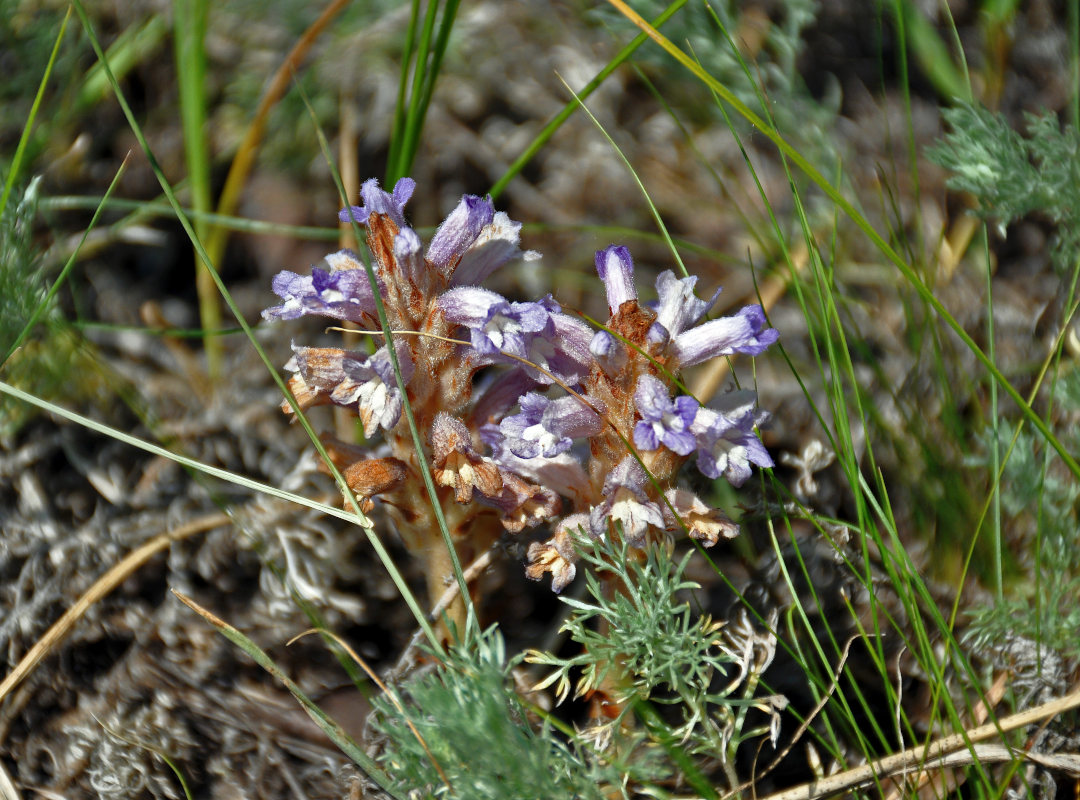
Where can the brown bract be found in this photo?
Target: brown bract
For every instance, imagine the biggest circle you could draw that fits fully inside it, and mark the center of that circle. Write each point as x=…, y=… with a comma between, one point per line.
x=376, y=475
x=456, y=462
x=404, y=301
x=306, y=396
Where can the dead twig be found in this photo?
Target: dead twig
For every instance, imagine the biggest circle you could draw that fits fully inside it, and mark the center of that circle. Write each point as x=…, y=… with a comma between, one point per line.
x=116, y=575
x=937, y=785
x=472, y=572
x=959, y=746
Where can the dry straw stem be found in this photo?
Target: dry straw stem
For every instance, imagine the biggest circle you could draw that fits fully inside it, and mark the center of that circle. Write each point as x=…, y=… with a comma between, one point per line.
x=939, y=785
x=958, y=749
x=116, y=575
x=7, y=788
x=955, y=244
x=348, y=156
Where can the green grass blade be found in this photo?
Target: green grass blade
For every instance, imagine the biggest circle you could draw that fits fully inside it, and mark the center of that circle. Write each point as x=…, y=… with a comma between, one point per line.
x=130, y=48
x=155, y=209
x=427, y=89
x=399, y=167
x=24, y=138
x=191, y=463
x=190, y=19
x=159, y=752
x=397, y=128
x=932, y=53
x=328, y=726
x=556, y=122
x=637, y=179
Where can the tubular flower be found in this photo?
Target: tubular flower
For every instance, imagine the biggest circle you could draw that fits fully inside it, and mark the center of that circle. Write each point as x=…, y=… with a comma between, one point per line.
x=727, y=444
x=677, y=334
x=342, y=292
x=377, y=201
x=371, y=385
x=616, y=270
x=535, y=336
x=457, y=464
x=626, y=505
x=704, y=523
x=557, y=555
x=458, y=232
x=548, y=427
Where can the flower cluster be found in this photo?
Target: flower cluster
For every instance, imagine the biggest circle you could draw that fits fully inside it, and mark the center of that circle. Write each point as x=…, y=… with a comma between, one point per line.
x=575, y=431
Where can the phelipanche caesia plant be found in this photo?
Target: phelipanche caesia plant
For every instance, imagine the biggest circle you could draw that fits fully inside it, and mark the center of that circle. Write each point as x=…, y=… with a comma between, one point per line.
x=576, y=431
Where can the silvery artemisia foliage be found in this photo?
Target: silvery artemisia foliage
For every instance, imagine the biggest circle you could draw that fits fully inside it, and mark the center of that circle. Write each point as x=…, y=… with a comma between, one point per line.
x=577, y=431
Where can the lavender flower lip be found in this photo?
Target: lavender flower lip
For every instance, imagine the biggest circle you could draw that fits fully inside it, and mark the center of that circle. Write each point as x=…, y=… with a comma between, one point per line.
x=626, y=506
x=343, y=294
x=495, y=246
x=458, y=232
x=533, y=335
x=677, y=307
x=495, y=324
x=663, y=420
x=545, y=428
x=743, y=333
x=727, y=445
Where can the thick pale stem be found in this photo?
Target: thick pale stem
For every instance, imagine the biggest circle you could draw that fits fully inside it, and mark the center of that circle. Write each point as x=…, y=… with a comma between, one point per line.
x=473, y=530
x=439, y=571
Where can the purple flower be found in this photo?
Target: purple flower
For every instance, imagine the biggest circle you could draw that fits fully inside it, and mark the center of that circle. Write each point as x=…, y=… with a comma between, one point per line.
x=727, y=444
x=677, y=307
x=344, y=292
x=664, y=421
x=562, y=473
x=376, y=201
x=495, y=324
x=495, y=246
x=616, y=269
x=458, y=232
x=371, y=385
x=609, y=352
x=571, y=359
x=678, y=310
x=532, y=332
x=743, y=333
x=626, y=505
x=545, y=428
x=497, y=393
x=409, y=255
